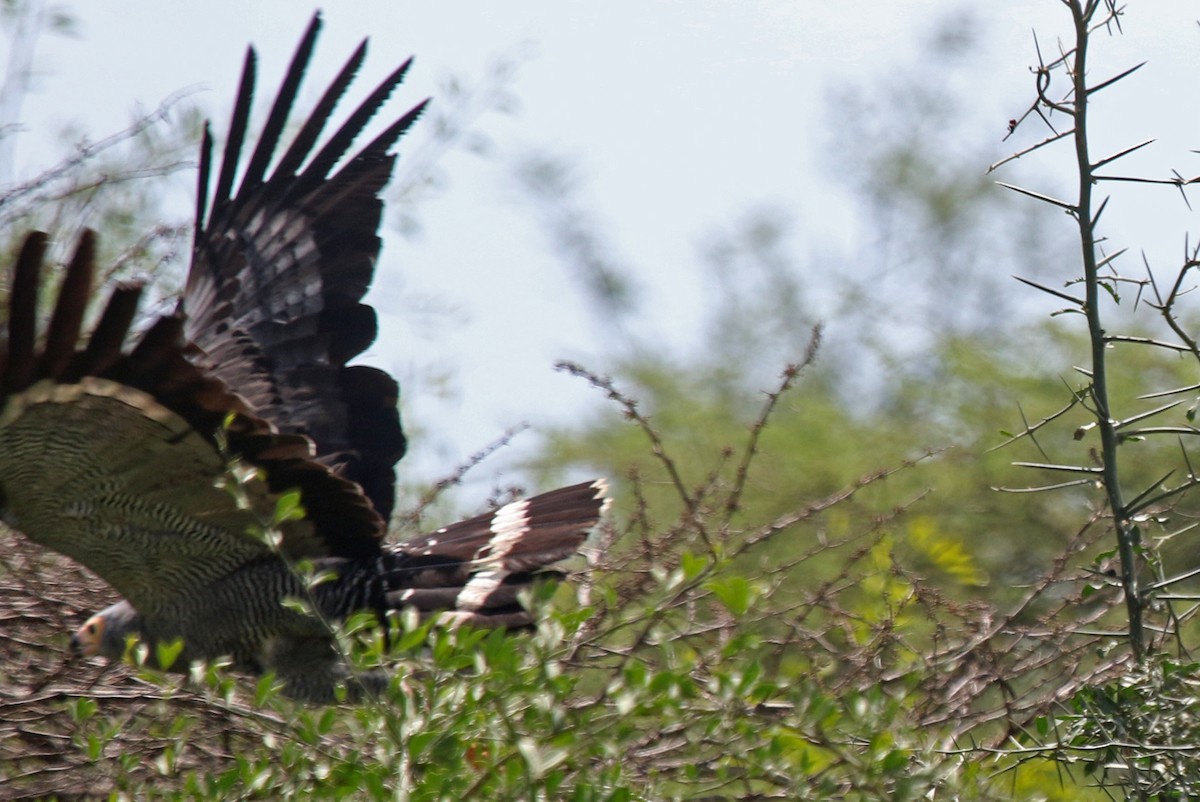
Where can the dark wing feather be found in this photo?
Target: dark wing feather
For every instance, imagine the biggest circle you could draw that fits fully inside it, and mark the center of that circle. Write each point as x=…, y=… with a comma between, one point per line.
x=237, y=130
x=303, y=144
x=105, y=345
x=73, y=298
x=337, y=146
x=274, y=295
x=268, y=139
x=203, y=173
x=22, y=313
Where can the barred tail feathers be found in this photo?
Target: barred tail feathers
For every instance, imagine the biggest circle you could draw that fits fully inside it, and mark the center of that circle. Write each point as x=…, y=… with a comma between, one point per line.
x=473, y=571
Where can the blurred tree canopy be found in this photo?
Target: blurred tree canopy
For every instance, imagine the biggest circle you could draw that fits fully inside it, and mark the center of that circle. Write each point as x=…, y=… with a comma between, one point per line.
x=926, y=347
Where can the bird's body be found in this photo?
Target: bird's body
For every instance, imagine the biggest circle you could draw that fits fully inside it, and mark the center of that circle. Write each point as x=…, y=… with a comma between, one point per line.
x=161, y=466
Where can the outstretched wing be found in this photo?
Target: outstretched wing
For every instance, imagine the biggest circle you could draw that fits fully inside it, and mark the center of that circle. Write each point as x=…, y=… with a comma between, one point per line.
x=279, y=270
x=116, y=458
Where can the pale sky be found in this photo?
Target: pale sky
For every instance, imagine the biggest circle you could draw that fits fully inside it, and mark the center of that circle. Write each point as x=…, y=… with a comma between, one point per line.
x=680, y=116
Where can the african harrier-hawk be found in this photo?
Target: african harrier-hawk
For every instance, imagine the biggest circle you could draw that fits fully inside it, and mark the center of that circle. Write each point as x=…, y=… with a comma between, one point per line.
x=120, y=457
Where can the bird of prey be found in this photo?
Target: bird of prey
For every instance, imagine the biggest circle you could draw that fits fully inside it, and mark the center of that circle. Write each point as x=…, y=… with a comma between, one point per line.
x=118, y=449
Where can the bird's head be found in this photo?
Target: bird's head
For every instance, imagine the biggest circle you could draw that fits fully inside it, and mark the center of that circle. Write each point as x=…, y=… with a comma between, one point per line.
x=86, y=640
x=105, y=632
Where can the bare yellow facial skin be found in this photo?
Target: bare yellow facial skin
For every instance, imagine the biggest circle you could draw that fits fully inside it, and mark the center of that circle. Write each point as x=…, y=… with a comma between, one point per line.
x=86, y=640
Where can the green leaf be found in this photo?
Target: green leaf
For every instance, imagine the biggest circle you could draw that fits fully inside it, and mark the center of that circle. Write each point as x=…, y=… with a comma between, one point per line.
x=288, y=507
x=296, y=605
x=735, y=592
x=264, y=689
x=167, y=652
x=83, y=709
x=692, y=565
